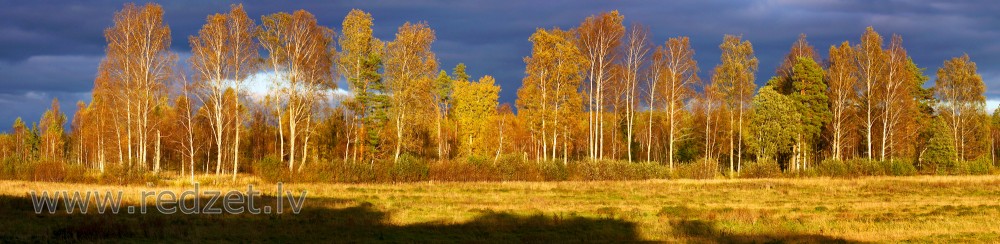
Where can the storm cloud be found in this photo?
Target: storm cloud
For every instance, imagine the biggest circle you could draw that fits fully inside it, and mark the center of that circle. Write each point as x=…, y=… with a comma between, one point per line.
x=52, y=48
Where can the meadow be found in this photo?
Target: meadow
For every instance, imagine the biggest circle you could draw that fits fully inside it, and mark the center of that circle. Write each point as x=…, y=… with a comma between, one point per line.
x=817, y=209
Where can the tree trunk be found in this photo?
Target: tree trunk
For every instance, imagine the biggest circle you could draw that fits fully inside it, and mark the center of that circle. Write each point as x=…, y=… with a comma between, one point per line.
x=500, y=144
x=739, y=140
x=440, y=141
x=156, y=168
x=236, y=148
x=281, y=136
x=649, y=131
x=732, y=148
x=347, y=143
x=305, y=142
x=671, y=128
x=399, y=136
x=291, y=140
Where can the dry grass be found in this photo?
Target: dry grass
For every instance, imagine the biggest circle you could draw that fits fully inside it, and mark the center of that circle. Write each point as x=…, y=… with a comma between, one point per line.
x=883, y=209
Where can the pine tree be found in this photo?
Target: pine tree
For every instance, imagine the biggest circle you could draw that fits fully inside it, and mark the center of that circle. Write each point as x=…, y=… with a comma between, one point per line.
x=940, y=154
x=809, y=95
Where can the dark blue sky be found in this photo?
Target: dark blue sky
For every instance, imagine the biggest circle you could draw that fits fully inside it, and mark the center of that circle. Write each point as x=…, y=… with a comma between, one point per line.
x=52, y=48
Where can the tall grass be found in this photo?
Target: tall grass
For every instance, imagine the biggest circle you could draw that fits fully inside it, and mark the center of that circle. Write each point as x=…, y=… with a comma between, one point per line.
x=510, y=167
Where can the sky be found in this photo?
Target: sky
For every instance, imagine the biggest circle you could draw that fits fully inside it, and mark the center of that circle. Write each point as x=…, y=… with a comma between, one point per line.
x=51, y=49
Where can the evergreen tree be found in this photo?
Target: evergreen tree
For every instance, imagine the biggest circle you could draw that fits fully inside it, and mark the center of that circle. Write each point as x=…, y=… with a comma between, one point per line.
x=376, y=102
x=809, y=96
x=774, y=125
x=940, y=153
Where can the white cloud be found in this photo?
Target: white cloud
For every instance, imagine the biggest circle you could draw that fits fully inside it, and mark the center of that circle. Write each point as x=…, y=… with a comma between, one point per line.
x=992, y=104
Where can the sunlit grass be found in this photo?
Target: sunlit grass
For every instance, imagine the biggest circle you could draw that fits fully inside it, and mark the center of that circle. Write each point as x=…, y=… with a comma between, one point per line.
x=886, y=209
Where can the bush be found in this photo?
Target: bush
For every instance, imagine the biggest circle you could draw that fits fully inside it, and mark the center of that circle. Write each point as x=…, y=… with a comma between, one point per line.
x=617, y=170
x=15, y=169
x=77, y=173
x=360, y=172
x=509, y=167
x=554, y=170
x=864, y=167
x=884, y=168
x=409, y=169
x=833, y=168
x=700, y=169
x=49, y=171
x=364, y=171
x=762, y=168
x=899, y=168
x=7, y=169
x=513, y=168
x=314, y=172
x=980, y=166
x=456, y=170
x=271, y=169
x=123, y=175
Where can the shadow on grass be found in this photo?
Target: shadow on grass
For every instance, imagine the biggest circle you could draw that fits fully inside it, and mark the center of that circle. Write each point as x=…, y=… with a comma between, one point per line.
x=321, y=220
x=705, y=231
x=341, y=220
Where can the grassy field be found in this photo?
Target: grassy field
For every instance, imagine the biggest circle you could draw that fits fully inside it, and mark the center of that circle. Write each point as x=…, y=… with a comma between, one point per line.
x=892, y=209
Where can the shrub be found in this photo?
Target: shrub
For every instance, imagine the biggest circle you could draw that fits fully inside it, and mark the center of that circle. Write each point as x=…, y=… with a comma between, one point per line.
x=762, y=168
x=554, y=170
x=123, y=175
x=315, y=172
x=457, y=170
x=358, y=172
x=980, y=166
x=700, y=169
x=77, y=173
x=478, y=160
x=864, y=167
x=617, y=170
x=8, y=169
x=409, y=169
x=15, y=169
x=271, y=169
x=512, y=167
x=833, y=168
x=899, y=168
x=49, y=171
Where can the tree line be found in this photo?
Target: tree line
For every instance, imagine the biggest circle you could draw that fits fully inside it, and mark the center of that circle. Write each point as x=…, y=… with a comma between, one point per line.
x=599, y=91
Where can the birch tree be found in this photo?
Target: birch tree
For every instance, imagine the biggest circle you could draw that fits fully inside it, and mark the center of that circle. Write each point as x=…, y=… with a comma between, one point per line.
x=635, y=52
x=960, y=89
x=679, y=71
x=896, y=96
x=842, y=78
x=410, y=69
x=598, y=38
x=223, y=55
x=50, y=127
x=476, y=112
x=735, y=79
x=301, y=60
x=139, y=64
x=870, y=62
x=548, y=97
